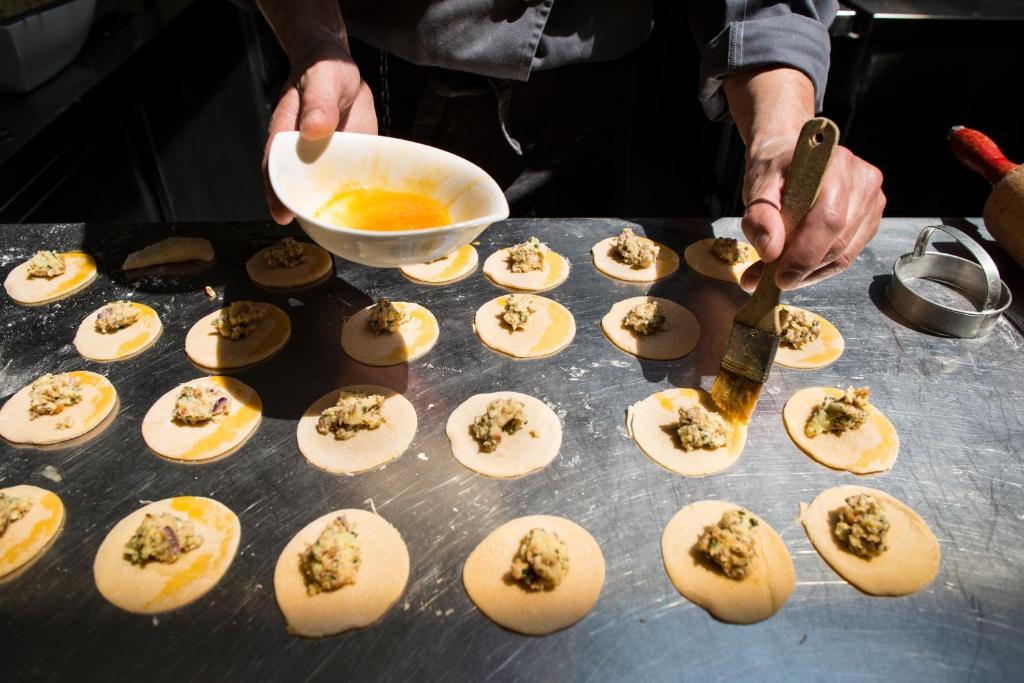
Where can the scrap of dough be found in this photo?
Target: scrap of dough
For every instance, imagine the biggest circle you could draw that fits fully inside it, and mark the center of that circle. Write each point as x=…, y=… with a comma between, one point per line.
x=909, y=564
x=550, y=329
x=489, y=585
x=871, y=448
x=676, y=339
x=383, y=574
x=198, y=442
x=416, y=336
x=531, y=448
x=315, y=267
x=123, y=343
x=206, y=348
x=554, y=272
x=458, y=265
x=653, y=421
x=754, y=598
x=607, y=261
x=158, y=586
x=79, y=272
x=170, y=250
x=369, y=448
x=98, y=399
x=699, y=258
x=27, y=539
x=824, y=350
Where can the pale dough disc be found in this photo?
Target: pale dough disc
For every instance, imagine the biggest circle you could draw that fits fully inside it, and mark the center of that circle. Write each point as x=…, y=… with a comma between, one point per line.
x=676, y=339
x=549, y=330
x=28, y=538
x=530, y=449
x=909, y=564
x=700, y=580
x=208, y=349
x=158, y=586
x=219, y=436
x=170, y=250
x=554, y=272
x=486, y=576
x=653, y=421
x=98, y=398
x=416, y=336
x=609, y=263
x=824, y=350
x=79, y=272
x=123, y=343
x=369, y=448
x=383, y=573
x=871, y=448
x=455, y=266
x=699, y=257
x=316, y=267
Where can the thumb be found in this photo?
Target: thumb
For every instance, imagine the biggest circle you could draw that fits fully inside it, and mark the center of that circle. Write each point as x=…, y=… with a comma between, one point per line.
x=762, y=220
x=324, y=97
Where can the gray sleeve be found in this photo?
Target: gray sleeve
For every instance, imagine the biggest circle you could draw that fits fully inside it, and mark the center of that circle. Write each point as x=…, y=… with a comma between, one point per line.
x=736, y=35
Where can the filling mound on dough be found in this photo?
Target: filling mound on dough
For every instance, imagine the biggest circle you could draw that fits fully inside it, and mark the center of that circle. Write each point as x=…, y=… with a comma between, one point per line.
x=634, y=251
x=286, y=254
x=861, y=524
x=645, y=318
x=199, y=405
x=46, y=264
x=353, y=411
x=115, y=316
x=527, y=256
x=541, y=561
x=51, y=394
x=729, y=250
x=161, y=538
x=501, y=415
x=12, y=508
x=518, y=309
x=798, y=328
x=701, y=429
x=333, y=561
x=837, y=415
x=385, y=317
x=239, y=319
x=730, y=543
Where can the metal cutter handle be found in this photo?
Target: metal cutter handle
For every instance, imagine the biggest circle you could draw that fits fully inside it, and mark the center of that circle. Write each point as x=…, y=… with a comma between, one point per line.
x=993, y=283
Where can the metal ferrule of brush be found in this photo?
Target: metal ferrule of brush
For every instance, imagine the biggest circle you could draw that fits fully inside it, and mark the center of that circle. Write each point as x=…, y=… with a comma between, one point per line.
x=749, y=350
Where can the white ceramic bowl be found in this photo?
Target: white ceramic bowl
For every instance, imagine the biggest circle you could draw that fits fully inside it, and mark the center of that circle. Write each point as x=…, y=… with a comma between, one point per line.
x=306, y=175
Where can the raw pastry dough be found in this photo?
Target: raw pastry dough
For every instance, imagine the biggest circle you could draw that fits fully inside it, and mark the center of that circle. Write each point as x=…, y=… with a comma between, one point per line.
x=208, y=349
x=699, y=257
x=753, y=598
x=125, y=342
x=609, y=263
x=676, y=339
x=157, y=586
x=550, y=329
x=383, y=573
x=80, y=271
x=170, y=250
x=28, y=538
x=414, y=338
x=909, y=564
x=316, y=267
x=554, y=272
x=455, y=266
x=98, y=400
x=824, y=350
x=487, y=579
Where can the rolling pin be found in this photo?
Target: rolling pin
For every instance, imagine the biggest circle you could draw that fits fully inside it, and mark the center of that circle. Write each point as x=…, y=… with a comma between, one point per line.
x=1004, y=210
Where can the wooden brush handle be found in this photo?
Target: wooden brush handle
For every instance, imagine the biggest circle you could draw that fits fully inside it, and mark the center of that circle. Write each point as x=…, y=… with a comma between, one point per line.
x=813, y=152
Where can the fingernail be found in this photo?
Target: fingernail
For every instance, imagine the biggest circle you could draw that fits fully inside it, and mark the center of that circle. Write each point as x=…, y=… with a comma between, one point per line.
x=789, y=278
x=761, y=243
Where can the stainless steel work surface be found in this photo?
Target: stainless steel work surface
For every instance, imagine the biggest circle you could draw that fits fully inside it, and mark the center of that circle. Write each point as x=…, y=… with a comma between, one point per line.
x=958, y=407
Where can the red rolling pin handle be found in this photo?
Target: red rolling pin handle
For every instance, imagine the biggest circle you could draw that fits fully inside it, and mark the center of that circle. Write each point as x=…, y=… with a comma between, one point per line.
x=978, y=152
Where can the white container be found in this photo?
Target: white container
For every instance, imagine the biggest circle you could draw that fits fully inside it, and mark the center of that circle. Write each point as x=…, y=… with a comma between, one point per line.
x=306, y=175
x=37, y=46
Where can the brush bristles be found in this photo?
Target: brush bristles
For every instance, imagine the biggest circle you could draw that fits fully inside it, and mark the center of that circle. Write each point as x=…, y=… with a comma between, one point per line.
x=735, y=394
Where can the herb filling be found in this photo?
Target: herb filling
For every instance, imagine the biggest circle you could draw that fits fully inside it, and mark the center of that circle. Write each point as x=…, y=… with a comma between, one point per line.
x=635, y=251
x=198, y=405
x=115, y=316
x=838, y=415
x=701, y=429
x=729, y=250
x=527, y=256
x=503, y=415
x=12, y=509
x=239, y=319
x=46, y=264
x=518, y=309
x=353, y=411
x=862, y=525
x=798, y=329
x=385, y=317
x=541, y=561
x=645, y=318
x=51, y=394
x=286, y=254
x=730, y=543
x=333, y=560
x=161, y=538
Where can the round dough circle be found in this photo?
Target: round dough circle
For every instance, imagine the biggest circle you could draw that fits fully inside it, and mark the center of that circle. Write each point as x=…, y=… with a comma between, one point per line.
x=383, y=574
x=120, y=344
x=676, y=340
x=27, y=539
x=607, y=261
x=529, y=450
x=414, y=338
x=652, y=423
x=871, y=448
x=79, y=272
x=534, y=613
x=549, y=330
x=157, y=586
x=98, y=399
x=824, y=350
x=208, y=349
x=369, y=448
x=554, y=272
x=910, y=563
x=700, y=259
x=195, y=443
x=754, y=598
x=455, y=266
x=316, y=267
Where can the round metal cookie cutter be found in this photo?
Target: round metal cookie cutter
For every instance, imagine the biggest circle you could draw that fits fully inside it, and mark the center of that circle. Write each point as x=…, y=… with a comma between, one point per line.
x=979, y=282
